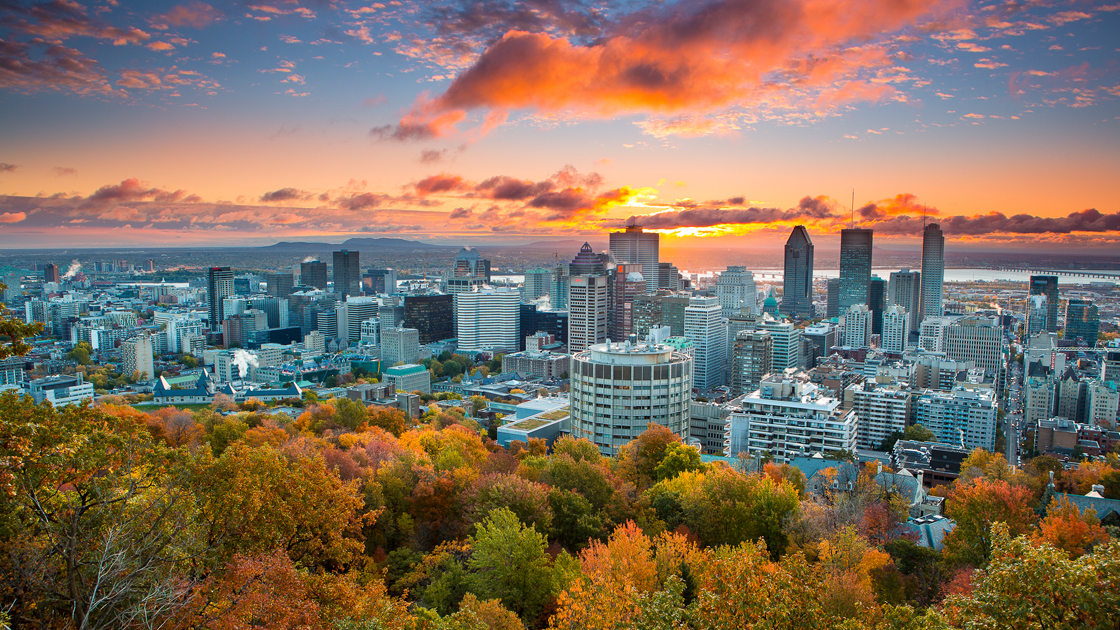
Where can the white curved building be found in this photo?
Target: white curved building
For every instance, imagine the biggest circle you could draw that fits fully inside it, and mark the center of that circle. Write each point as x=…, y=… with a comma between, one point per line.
x=619, y=388
x=488, y=320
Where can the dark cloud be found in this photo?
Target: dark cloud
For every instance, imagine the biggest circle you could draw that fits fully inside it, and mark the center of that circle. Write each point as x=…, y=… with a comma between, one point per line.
x=404, y=132
x=507, y=188
x=489, y=19
x=362, y=201
x=439, y=184
x=56, y=68
x=807, y=209
x=134, y=190
x=460, y=213
x=59, y=20
x=286, y=194
x=7, y=168
x=432, y=156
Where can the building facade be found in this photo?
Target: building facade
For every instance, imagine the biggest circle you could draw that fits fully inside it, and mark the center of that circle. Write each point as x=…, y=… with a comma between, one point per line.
x=219, y=286
x=751, y=356
x=704, y=327
x=488, y=320
x=905, y=290
x=347, y=274
x=797, y=277
x=634, y=245
x=1048, y=286
x=737, y=290
x=855, y=266
x=933, y=272
x=788, y=417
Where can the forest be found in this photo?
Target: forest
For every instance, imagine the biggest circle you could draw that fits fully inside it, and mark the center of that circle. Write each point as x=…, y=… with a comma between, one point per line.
x=348, y=517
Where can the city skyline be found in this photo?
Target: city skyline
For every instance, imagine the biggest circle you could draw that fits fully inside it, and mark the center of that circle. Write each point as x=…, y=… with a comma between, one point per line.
x=198, y=124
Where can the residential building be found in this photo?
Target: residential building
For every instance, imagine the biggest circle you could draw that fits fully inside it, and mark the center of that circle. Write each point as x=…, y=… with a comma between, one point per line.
x=857, y=326
x=618, y=389
x=703, y=326
x=1104, y=404
x=219, y=286
x=934, y=333
x=751, y=356
x=313, y=273
x=797, y=277
x=736, y=290
x=788, y=417
x=882, y=409
x=1048, y=286
x=347, y=274
x=488, y=320
x=1082, y=321
x=905, y=290
x=1039, y=394
x=540, y=363
x=136, y=356
x=964, y=417
x=634, y=245
x=855, y=266
x=408, y=378
x=315, y=341
x=896, y=329
x=933, y=272
x=11, y=372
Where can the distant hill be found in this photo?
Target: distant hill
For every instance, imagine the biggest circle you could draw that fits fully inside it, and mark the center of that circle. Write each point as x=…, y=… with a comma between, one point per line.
x=358, y=244
x=562, y=246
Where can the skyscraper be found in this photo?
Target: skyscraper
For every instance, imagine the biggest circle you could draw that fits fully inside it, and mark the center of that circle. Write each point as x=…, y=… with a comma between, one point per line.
x=751, y=355
x=538, y=282
x=832, y=298
x=1048, y=286
x=905, y=290
x=381, y=281
x=635, y=245
x=279, y=284
x=587, y=311
x=857, y=326
x=628, y=284
x=736, y=290
x=703, y=326
x=313, y=273
x=896, y=329
x=933, y=272
x=469, y=272
x=586, y=262
x=1082, y=321
x=219, y=286
x=855, y=266
x=797, y=294
x=347, y=274
x=51, y=273
x=488, y=320
x=877, y=302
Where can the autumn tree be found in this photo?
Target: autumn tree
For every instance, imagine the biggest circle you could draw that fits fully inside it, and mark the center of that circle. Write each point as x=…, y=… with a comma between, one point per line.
x=639, y=458
x=13, y=332
x=528, y=500
x=510, y=564
x=1066, y=528
x=975, y=505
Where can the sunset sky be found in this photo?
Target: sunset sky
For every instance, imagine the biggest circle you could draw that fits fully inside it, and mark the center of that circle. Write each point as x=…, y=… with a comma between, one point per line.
x=491, y=121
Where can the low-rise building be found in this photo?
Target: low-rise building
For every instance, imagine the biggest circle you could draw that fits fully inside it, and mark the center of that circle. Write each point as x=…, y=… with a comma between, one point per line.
x=409, y=378
x=61, y=390
x=540, y=363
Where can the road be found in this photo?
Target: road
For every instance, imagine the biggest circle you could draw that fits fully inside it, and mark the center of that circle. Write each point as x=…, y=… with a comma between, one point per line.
x=1013, y=422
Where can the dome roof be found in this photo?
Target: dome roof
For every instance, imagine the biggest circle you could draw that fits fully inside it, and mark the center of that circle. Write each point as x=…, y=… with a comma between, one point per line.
x=634, y=276
x=770, y=301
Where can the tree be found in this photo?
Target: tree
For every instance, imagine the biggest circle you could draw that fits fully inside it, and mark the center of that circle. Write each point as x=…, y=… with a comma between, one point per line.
x=677, y=459
x=1066, y=528
x=639, y=458
x=81, y=353
x=510, y=564
x=526, y=499
x=918, y=433
x=975, y=505
x=13, y=332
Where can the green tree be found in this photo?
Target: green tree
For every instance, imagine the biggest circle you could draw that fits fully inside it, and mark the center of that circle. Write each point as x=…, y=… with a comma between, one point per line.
x=918, y=433
x=678, y=458
x=81, y=353
x=13, y=332
x=509, y=563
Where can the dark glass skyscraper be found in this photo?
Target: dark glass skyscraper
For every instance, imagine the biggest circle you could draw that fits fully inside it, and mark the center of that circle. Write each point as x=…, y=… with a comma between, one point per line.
x=933, y=272
x=797, y=294
x=347, y=274
x=855, y=267
x=219, y=286
x=832, y=303
x=433, y=316
x=1082, y=320
x=877, y=302
x=1048, y=286
x=635, y=245
x=313, y=273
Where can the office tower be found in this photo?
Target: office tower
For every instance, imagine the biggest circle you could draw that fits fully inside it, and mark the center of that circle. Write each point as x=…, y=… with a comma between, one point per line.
x=586, y=262
x=399, y=345
x=391, y=315
x=628, y=284
x=469, y=272
x=905, y=290
x=538, y=283
x=51, y=273
x=351, y=313
x=381, y=281
x=751, y=354
x=797, y=279
x=12, y=289
x=1082, y=321
x=648, y=383
x=736, y=290
x=276, y=309
x=668, y=277
x=832, y=305
x=980, y=340
x=703, y=326
x=882, y=410
x=896, y=329
x=933, y=272
x=240, y=329
x=219, y=286
x=587, y=311
x=554, y=323
x=244, y=285
x=558, y=296
x=488, y=320
x=137, y=356
x=432, y=315
x=877, y=302
x=313, y=273
x=1048, y=286
x=637, y=246
x=279, y=284
x=371, y=331
x=788, y=417
x=823, y=337
x=1038, y=314
x=855, y=267
x=347, y=274
x=661, y=309
x=962, y=417
x=857, y=326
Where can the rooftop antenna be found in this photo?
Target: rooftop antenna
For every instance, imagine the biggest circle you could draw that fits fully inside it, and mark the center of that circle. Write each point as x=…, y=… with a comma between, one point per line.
x=853, y=207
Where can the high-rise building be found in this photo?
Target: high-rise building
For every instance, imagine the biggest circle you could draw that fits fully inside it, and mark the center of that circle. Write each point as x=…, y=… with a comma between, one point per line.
x=787, y=342
x=12, y=289
x=751, y=355
x=313, y=273
x=832, y=303
x=391, y=315
x=933, y=272
x=628, y=284
x=347, y=274
x=704, y=327
x=433, y=315
x=736, y=290
x=1082, y=321
x=634, y=245
x=1038, y=314
x=896, y=329
x=469, y=272
x=538, y=283
x=823, y=337
x=380, y=281
x=962, y=417
x=586, y=262
x=877, y=302
x=587, y=311
x=905, y=290
x=855, y=266
x=647, y=383
x=857, y=326
x=351, y=313
x=558, y=296
x=219, y=286
x=980, y=340
x=399, y=345
x=668, y=277
x=797, y=279
x=1103, y=403
x=279, y=284
x=488, y=320
x=1048, y=286
x=51, y=273
x=661, y=309
x=136, y=356
x=240, y=329
x=881, y=409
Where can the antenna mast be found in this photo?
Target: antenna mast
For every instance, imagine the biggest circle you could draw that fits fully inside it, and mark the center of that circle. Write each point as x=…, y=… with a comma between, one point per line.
x=853, y=207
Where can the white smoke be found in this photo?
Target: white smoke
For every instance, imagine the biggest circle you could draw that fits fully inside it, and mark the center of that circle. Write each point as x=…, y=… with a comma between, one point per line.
x=72, y=270
x=311, y=259
x=544, y=303
x=243, y=360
